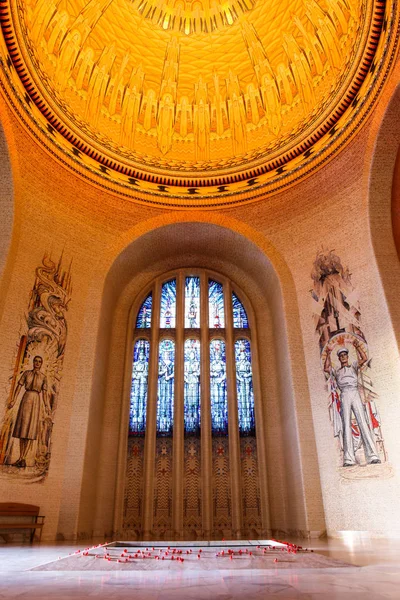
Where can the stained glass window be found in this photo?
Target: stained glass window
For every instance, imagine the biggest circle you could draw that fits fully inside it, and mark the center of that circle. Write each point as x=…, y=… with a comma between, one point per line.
x=168, y=304
x=216, y=313
x=190, y=293
x=192, y=302
x=139, y=385
x=165, y=395
x=192, y=387
x=244, y=387
x=240, y=320
x=144, y=315
x=218, y=395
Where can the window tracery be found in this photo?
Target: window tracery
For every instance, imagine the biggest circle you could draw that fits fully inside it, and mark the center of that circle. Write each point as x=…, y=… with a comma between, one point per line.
x=194, y=290
x=240, y=320
x=168, y=305
x=192, y=387
x=139, y=386
x=191, y=394
x=143, y=320
x=165, y=396
x=216, y=309
x=218, y=392
x=192, y=302
x=244, y=387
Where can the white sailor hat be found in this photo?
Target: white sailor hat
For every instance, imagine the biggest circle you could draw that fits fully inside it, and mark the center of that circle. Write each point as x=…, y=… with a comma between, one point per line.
x=339, y=352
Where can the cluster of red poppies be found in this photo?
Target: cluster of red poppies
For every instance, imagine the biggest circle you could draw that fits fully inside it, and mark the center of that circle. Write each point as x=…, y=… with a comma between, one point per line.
x=175, y=554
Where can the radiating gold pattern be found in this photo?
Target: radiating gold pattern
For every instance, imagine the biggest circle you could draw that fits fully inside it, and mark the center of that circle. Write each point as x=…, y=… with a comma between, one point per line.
x=203, y=101
x=188, y=17
x=181, y=97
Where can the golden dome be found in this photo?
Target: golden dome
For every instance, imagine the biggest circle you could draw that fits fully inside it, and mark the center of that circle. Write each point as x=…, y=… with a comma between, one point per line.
x=188, y=17
x=195, y=100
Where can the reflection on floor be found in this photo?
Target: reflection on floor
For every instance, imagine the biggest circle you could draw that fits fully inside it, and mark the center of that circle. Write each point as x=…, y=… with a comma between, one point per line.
x=378, y=576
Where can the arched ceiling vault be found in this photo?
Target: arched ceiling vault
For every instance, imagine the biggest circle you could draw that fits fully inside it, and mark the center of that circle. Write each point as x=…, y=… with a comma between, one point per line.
x=195, y=103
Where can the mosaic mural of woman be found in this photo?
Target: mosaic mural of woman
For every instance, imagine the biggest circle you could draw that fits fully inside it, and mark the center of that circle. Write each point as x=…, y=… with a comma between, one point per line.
x=27, y=423
x=26, y=432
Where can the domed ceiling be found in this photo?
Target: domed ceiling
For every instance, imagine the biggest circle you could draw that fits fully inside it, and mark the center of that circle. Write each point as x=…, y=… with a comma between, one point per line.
x=203, y=102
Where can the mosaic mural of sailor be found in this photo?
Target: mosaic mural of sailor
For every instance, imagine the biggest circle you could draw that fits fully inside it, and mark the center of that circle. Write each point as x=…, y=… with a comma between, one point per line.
x=346, y=364
x=26, y=433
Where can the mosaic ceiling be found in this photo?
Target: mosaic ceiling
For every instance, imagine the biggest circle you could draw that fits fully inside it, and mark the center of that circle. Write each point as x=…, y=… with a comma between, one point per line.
x=195, y=103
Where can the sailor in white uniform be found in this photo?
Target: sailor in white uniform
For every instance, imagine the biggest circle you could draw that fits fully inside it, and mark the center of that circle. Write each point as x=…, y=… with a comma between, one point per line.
x=347, y=380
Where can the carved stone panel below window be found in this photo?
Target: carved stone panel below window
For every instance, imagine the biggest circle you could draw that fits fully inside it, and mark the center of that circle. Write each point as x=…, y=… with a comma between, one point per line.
x=162, y=515
x=251, y=504
x=133, y=500
x=221, y=484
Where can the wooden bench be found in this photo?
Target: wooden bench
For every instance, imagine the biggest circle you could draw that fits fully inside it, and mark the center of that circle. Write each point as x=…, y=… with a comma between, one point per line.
x=14, y=509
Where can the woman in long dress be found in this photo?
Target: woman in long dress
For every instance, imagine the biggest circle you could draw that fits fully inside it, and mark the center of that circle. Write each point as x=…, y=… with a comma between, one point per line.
x=27, y=423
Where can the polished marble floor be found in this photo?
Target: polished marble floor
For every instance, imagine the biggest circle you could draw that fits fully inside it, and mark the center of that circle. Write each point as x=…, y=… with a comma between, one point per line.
x=377, y=575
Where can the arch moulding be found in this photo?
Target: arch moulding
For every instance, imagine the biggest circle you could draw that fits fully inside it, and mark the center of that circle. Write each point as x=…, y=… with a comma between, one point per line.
x=380, y=192
x=204, y=237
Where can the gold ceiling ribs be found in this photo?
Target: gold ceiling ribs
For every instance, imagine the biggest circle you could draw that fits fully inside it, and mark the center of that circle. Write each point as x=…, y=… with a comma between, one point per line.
x=111, y=88
x=193, y=17
x=339, y=51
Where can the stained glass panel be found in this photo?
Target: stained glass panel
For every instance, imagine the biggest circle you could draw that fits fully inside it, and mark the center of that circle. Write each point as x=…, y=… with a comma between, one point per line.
x=218, y=395
x=192, y=387
x=140, y=371
x=192, y=302
x=244, y=387
x=240, y=320
x=144, y=315
x=168, y=304
x=216, y=314
x=165, y=395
